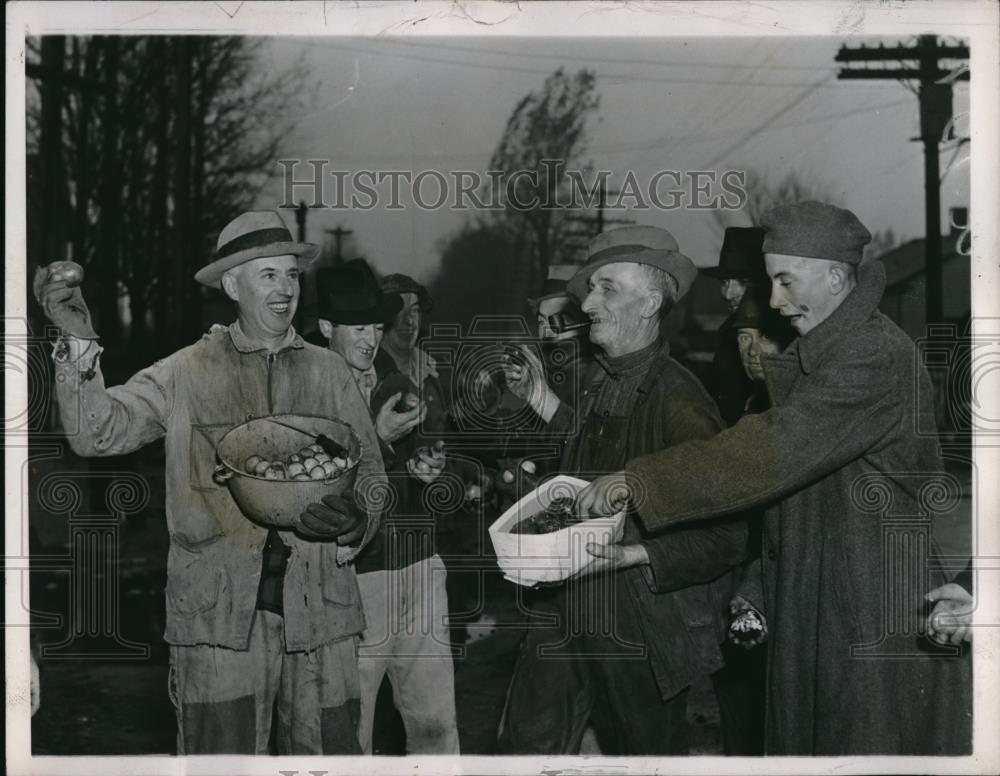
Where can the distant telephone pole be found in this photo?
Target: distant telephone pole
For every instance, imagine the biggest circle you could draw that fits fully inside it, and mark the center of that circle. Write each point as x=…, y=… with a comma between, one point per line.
x=935, y=115
x=338, y=236
x=598, y=221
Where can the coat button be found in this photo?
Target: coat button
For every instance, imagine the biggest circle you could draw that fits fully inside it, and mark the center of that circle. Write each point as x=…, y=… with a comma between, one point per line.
x=771, y=554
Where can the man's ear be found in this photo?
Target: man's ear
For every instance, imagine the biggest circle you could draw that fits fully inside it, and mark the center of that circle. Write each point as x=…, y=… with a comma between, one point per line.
x=325, y=328
x=837, y=278
x=651, y=304
x=229, y=286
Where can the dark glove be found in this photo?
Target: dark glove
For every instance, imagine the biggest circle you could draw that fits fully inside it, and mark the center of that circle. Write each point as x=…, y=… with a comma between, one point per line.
x=335, y=518
x=57, y=289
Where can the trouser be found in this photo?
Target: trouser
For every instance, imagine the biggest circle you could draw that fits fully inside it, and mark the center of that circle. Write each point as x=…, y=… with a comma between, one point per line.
x=224, y=698
x=557, y=689
x=739, y=688
x=406, y=638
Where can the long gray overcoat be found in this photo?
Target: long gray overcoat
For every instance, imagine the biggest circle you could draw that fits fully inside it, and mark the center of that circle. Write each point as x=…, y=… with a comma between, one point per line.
x=850, y=484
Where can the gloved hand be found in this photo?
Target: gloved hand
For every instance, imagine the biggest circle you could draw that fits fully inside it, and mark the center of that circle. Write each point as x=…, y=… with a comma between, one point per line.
x=747, y=626
x=335, y=518
x=57, y=289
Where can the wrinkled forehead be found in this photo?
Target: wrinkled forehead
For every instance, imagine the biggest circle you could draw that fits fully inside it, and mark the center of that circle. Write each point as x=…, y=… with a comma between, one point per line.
x=616, y=271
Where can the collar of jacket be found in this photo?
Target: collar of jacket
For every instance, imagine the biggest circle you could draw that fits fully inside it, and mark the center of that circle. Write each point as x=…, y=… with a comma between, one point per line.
x=656, y=356
x=629, y=362
x=244, y=345
x=858, y=307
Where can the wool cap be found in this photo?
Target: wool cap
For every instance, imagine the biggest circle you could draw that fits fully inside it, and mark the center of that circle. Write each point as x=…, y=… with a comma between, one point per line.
x=639, y=244
x=398, y=283
x=815, y=230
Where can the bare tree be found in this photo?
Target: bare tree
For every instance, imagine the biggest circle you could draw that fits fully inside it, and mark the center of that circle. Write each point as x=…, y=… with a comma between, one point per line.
x=156, y=142
x=545, y=138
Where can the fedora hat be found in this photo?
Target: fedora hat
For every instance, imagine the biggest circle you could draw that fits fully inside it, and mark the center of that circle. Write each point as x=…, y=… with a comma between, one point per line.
x=554, y=285
x=253, y=235
x=742, y=255
x=350, y=294
x=648, y=245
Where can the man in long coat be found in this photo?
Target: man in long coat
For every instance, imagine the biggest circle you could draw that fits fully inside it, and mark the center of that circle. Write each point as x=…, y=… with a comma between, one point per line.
x=850, y=486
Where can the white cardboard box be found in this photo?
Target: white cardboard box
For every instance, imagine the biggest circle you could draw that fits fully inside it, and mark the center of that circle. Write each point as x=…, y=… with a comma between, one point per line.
x=527, y=559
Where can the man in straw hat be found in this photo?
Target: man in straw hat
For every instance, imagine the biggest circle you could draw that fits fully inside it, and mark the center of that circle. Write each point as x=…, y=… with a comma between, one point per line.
x=256, y=619
x=626, y=645
x=401, y=576
x=846, y=479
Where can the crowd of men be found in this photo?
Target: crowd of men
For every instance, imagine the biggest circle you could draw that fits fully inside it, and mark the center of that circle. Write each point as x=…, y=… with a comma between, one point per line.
x=747, y=556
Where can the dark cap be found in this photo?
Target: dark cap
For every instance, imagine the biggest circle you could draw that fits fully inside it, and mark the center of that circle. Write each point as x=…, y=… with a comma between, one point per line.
x=349, y=294
x=398, y=283
x=815, y=230
x=741, y=255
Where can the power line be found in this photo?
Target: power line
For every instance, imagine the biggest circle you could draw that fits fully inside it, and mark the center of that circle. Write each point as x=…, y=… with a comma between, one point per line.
x=601, y=60
x=767, y=122
x=605, y=77
x=935, y=96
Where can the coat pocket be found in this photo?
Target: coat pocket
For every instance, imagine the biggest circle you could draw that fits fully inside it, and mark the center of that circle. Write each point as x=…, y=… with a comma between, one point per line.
x=194, y=591
x=339, y=584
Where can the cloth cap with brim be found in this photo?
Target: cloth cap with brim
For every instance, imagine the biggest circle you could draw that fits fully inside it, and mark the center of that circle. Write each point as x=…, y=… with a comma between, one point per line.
x=815, y=230
x=554, y=286
x=253, y=235
x=648, y=245
x=397, y=283
x=741, y=256
x=350, y=295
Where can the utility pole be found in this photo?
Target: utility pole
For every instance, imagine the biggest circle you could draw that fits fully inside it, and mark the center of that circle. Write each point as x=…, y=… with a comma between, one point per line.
x=935, y=114
x=300, y=312
x=338, y=235
x=598, y=221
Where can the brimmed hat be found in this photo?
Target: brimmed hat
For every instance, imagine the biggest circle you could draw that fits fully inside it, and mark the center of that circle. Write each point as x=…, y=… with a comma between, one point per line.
x=741, y=256
x=648, y=245
x=815, y=230
x=250, y=236
x=349, y=294
x=555, y=283
x=397, y=283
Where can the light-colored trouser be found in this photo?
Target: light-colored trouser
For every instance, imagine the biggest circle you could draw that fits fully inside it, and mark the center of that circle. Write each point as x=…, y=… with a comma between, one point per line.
x=406, y=637
x=224, y=698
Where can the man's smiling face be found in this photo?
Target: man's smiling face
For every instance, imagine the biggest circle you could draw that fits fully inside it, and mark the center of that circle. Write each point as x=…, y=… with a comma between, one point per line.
x=358, y=344
x=266, y=291
x=801, y=290
x=614, y=303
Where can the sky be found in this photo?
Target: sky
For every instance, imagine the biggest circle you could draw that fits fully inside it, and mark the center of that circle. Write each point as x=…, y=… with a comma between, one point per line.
x=771, y=105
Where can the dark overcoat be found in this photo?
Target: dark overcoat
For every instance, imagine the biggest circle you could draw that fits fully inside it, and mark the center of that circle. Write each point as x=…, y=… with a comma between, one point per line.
x=850, y=485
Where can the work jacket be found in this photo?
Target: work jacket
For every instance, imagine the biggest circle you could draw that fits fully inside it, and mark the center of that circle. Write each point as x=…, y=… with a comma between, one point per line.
x=676, y=607
x=851, y=481
x=192, y=398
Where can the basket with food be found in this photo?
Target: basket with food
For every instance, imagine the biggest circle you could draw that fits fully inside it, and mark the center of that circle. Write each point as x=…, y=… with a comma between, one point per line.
x=541, y=538
x=275, y=466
